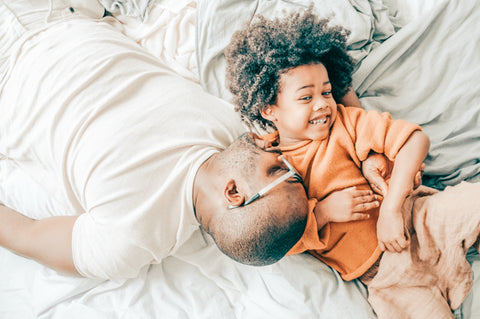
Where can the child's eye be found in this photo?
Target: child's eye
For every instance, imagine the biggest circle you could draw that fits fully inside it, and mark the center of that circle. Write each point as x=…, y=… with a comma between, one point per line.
x=306, y=98
x=328, y=93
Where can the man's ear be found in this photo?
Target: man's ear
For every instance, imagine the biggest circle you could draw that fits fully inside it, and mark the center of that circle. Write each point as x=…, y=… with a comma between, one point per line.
x=233, y=196
x=269, y=113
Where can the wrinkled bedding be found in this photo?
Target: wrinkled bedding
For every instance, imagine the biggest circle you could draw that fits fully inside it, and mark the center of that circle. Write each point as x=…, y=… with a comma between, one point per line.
x=168, y=32
x=428, y=74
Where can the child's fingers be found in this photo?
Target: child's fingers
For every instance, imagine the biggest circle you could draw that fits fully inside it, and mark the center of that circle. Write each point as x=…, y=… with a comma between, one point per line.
x=363, y=192
x=366, y=197
x=417, y=181
x=365, y=202
x=403, y=243
x=359, y=192
x=392, y=247
x=380, y=187
x=381, y=246
x=359, y=216
x=395, y=246
x=365, y=206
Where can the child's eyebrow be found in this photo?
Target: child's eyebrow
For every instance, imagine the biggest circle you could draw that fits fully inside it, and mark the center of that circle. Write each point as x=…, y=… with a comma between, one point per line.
x=311, y=85
x=304, y=87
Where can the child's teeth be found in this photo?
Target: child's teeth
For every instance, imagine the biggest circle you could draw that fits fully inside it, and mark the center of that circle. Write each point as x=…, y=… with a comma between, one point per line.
x=323, y=121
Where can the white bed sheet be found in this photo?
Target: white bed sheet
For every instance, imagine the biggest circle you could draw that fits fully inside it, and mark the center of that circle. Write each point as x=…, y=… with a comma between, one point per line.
x=198, y=281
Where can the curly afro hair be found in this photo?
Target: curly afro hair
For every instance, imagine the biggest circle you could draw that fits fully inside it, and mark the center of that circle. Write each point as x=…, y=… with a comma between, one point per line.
x=259, y=54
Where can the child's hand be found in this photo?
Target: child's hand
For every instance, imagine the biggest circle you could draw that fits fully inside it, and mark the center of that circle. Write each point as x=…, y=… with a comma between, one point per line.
x=391, y=231
x=376, y=169
x=417, y=180
x=349, y=204
x=264, y=144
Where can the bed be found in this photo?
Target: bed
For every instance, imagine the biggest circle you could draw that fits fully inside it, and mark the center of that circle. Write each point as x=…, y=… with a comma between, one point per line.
x=416, y=59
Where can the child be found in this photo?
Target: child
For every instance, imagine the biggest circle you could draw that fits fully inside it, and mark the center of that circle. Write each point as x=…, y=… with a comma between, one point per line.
x=286, y=75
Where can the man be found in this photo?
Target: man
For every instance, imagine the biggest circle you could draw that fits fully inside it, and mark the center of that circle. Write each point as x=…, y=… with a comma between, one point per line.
x=134, y=155
x=116, y=139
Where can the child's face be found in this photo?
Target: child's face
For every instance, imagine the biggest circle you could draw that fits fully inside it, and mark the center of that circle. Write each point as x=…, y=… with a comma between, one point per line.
x=305, y=108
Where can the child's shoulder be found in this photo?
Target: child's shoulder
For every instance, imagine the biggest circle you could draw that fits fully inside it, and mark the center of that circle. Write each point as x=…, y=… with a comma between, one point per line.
x=350, y=109
x=351, y=112
x=355, y=112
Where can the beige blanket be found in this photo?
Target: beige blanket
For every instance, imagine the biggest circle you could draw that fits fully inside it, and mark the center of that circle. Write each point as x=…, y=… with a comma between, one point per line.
x=431, y=276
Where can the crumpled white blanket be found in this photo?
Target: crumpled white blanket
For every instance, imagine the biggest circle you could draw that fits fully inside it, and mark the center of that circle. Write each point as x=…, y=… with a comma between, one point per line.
x=168, y=32
x=135, y=8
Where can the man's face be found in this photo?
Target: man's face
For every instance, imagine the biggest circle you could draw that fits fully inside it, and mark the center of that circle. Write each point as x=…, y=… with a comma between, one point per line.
x=265, y=172
x=270, y=168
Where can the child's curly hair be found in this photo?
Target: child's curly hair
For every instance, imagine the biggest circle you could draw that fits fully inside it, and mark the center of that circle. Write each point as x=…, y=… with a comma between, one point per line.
x=260, y=53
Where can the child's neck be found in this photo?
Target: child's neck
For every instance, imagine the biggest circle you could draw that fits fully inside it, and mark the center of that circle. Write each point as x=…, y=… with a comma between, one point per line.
x=287, y=141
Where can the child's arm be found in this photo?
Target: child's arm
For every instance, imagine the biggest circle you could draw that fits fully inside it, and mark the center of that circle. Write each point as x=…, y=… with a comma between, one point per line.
x=390, y=226
x=48, y=241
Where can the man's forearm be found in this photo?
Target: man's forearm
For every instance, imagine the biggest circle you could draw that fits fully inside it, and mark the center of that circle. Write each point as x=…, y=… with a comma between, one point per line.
x=351, y=99
x=48, y=241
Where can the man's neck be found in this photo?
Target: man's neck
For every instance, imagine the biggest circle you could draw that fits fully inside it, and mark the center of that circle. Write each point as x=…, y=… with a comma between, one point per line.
x=203, y=178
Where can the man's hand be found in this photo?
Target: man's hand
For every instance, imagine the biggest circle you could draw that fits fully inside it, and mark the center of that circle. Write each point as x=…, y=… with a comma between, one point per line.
x=346, y=205
x=377, y=169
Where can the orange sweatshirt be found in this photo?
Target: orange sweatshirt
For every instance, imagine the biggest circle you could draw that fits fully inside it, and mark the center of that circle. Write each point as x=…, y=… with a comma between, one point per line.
x=333, y=164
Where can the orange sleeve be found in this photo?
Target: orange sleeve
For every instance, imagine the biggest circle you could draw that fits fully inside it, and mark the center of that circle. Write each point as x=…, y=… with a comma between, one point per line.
x=378, y=132
x=310, y=239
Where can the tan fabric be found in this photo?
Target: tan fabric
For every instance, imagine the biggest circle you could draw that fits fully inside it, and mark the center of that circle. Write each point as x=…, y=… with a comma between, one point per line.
x=431, y=276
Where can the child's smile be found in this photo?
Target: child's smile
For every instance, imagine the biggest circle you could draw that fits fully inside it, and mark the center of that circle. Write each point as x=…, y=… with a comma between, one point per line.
x=321, y=119
x=305, y=108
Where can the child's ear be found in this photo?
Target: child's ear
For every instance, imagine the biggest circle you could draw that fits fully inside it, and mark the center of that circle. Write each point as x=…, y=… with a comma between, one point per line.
x=269, y=113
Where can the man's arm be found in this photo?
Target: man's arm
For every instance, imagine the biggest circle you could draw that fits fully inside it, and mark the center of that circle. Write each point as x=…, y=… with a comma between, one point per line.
x=48, y=241
x=351, y=99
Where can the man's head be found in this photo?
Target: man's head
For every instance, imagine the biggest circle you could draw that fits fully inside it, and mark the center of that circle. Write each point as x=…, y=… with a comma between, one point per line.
x=263, y=231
